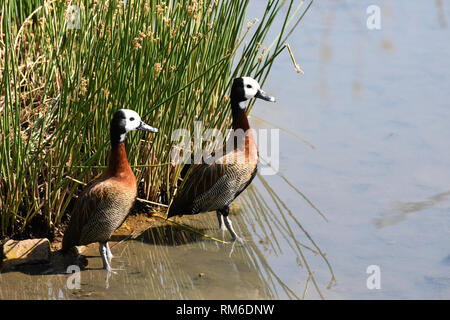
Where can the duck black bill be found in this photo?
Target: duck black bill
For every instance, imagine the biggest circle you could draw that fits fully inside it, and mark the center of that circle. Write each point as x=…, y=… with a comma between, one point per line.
x=262, y=95
x=145, y=127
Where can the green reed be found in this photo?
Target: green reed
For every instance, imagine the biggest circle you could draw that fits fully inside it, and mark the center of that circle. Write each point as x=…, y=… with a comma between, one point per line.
x=172, y=61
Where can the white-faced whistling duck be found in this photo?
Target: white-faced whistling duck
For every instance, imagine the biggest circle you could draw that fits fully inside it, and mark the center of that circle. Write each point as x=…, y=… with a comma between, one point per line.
x=214, y=186
x=104, y=204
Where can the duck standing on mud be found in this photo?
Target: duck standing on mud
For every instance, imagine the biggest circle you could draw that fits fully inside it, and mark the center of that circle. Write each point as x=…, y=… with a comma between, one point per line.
x=105, y=203
x=214, y=186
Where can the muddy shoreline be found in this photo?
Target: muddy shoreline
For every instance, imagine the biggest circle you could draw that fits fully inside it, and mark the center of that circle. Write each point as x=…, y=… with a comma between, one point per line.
x=134, y=225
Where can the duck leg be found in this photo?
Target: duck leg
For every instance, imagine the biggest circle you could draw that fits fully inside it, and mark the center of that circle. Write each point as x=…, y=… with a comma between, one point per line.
x=108, y=252
x=105, y=253
x=228, y=224
x=103, y=249
x=221, y=223
x=220, y=219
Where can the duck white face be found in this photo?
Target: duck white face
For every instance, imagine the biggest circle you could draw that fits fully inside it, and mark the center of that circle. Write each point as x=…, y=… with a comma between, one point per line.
x=132, y=121
x=251, y=89
x=124, y=121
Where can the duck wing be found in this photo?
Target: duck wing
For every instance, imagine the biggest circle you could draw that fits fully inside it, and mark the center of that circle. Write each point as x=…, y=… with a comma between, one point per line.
x=209, y=187
x=85, y=207
x=101, y=208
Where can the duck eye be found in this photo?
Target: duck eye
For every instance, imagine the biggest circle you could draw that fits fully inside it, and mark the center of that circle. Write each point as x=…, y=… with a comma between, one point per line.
x=131, y=119
x=249, y=86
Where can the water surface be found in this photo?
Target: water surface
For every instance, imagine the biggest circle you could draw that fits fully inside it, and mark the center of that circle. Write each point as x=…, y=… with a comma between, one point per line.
x=376, y=106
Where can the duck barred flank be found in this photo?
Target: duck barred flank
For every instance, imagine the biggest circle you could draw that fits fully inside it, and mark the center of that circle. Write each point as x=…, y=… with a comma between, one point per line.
x=212, y=188
x=111, y=206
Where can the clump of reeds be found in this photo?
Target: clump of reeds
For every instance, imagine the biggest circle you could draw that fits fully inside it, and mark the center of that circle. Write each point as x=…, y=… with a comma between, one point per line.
x=172, y=61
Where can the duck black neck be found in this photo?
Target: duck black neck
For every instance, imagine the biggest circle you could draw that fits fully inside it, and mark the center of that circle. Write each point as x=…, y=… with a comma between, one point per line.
x=117, y=137
x=240, y=120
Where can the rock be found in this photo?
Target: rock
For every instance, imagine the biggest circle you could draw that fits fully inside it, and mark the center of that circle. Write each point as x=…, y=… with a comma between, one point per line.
x=61, y=260
x=29, y=251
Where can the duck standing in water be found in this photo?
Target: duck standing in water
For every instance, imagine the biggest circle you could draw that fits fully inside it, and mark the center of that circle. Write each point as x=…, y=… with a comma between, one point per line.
x=213, y=187
x=104, y=204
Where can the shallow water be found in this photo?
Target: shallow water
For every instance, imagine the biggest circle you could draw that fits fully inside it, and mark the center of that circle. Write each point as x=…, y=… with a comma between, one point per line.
x=375, y=106
x=162, y=263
